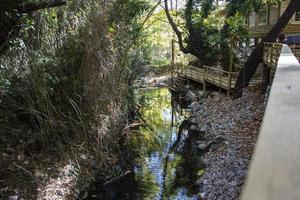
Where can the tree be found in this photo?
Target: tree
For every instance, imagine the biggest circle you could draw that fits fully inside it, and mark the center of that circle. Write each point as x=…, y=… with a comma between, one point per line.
x=256, y=56
x=205, y=39
x=12, y=10
x=196, y=41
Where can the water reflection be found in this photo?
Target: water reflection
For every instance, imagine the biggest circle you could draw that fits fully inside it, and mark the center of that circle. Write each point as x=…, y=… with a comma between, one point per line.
x=163, y=159
x=165, y=164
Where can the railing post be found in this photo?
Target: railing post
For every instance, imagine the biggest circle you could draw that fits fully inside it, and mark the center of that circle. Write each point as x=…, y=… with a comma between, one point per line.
x=264, y=53
x=220, y=82
x=272, y=48
x=229, y=83
x=204, y=83
x=230, y=66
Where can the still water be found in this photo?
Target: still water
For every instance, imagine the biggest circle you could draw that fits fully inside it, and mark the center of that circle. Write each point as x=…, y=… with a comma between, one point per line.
x=164, y=162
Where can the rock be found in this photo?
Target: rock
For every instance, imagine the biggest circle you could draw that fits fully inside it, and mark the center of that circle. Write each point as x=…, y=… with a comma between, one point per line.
x=195, y=106
x=204, y=128
x=203, y=146
x=191, y=95
x=218, y=139
x=193, y=120
x=202, y=195
x=200, y=94
x=193, y=127
x=199, y=112
x=15, y=197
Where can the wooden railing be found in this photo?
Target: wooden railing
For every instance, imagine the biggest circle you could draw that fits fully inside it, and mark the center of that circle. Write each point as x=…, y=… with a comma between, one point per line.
x=271, y=53
x=274, y=171
x=296, y=50
x=220, y=77
x=194, y=73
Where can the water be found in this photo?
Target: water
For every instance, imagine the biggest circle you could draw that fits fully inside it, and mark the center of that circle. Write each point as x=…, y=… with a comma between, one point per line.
x=165, y=163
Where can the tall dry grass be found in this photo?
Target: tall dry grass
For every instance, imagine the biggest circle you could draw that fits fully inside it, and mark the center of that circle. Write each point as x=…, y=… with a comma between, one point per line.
x=64, y=82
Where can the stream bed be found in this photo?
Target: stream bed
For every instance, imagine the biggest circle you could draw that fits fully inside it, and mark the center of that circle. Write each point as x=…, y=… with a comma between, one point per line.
x=164, y=160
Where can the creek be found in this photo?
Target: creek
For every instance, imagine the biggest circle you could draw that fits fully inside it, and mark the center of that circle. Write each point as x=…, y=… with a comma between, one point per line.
x=164, y=161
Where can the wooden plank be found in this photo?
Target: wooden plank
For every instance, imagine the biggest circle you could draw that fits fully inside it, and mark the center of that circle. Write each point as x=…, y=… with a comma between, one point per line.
x=274, y=172
x=214, y=76
x=262, y=30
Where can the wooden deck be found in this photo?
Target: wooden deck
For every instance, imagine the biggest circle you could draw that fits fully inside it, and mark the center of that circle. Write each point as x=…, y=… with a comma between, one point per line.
x=226, y=80
x=216, y=77
x=259, y=31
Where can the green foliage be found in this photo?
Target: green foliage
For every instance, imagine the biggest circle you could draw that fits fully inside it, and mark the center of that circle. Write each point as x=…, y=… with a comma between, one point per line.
x=154, y=46
x=66, y=74
x=209, y=29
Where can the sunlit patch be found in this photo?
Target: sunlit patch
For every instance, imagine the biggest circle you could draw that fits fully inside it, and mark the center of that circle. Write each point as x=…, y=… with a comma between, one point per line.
x=61, y=187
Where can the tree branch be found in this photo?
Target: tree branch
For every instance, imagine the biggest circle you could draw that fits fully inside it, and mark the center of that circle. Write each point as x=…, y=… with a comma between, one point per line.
x=175, y=29
x=30, y=7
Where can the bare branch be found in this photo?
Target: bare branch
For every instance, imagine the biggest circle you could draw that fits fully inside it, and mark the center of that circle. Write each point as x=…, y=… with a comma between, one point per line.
x=175, y=29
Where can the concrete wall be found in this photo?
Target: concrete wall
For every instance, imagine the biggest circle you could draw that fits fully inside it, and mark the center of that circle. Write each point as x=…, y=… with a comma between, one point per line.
x=274, y=171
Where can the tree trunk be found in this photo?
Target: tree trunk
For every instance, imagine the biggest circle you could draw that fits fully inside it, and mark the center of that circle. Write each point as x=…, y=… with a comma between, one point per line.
x=175, y=29
x=256, y=56
x=266, y=78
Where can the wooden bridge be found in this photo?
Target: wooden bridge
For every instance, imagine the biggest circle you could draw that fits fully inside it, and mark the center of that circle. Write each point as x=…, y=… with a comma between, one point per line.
x=213, y=76
x=225, y=79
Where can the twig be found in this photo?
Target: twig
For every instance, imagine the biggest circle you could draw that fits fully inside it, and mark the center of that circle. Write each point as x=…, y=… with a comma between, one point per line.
x=20, y=167
x=117, y=178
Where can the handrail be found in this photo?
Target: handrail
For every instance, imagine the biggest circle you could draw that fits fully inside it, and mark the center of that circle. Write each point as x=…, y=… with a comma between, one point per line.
x=219, y=70
x=271, y=53
x=218, y=77
x=274, y=171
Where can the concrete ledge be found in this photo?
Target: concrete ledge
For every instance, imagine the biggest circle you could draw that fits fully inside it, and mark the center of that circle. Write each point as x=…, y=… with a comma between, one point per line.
x=274, y=171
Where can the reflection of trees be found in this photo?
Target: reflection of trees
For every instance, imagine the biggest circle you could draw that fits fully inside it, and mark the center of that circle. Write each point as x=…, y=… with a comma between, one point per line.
x=186, y=166
x=179, y=166
x=148, y=187
x=153, y=136
x=153, y=102
x=187, y=170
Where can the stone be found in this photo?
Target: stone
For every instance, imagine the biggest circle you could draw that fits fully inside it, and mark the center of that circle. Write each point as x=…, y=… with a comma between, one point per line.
x=191, y=95
x=218, y=139
x=193, y=127
x=204, y=128
x=203, y=146
x=202, y=195
x=15, y=197
x=200, y=94
x=195, y=106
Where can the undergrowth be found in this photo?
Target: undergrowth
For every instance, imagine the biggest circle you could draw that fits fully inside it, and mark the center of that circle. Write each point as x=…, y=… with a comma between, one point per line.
x=64, y=80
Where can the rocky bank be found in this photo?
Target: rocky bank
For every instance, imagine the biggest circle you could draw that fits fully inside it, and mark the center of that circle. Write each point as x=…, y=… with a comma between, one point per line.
x=230, y=129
